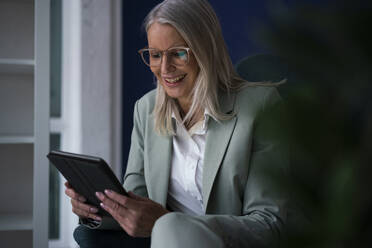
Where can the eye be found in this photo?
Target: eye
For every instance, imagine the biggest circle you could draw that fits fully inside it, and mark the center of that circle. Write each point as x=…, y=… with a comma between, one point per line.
x=179, y=54
x=155, y=55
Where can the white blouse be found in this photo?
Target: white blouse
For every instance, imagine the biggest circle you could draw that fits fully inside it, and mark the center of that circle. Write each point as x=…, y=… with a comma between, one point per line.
x=185, y=184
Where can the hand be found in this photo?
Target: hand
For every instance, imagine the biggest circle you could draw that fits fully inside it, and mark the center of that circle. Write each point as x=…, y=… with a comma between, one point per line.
x=79, y=207
x=135, y=214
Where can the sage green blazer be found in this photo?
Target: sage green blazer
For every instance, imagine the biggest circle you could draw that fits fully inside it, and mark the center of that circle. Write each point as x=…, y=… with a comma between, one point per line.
x=239, y=198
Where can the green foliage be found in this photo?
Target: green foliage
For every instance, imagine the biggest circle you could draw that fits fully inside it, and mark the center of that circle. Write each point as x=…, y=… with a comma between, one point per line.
x=327, y=121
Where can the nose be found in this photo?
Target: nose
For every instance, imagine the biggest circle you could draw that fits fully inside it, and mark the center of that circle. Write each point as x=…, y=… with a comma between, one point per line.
x=166, y=65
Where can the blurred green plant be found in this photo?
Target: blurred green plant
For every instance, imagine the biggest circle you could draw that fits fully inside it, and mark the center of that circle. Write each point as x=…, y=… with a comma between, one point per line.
x=327, y=120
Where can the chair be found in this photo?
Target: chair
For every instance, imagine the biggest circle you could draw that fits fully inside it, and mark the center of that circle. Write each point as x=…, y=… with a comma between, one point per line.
x=264, y=68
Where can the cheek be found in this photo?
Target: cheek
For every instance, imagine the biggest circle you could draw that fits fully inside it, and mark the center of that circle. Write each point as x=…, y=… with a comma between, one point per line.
x=194, y=72
x=156, y=72
x=194, y=68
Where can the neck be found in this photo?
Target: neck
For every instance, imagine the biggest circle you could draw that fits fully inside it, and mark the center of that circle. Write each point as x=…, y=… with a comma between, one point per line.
x=183, y=110
x=184, y=105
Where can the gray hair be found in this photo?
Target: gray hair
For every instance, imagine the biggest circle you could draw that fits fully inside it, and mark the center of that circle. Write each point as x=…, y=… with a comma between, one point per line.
x=197, y=23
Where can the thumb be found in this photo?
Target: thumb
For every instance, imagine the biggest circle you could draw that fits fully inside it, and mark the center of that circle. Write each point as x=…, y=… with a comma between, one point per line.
x=136, y=197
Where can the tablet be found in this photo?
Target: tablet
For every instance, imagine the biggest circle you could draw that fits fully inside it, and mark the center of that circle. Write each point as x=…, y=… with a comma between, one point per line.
x=86, y=175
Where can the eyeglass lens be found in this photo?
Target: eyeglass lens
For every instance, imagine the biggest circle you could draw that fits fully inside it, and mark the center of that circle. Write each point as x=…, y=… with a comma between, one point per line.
x=177, y=56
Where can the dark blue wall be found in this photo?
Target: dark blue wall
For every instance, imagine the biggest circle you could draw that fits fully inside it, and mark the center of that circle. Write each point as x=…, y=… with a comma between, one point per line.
x=137, y=78
x=238, y=20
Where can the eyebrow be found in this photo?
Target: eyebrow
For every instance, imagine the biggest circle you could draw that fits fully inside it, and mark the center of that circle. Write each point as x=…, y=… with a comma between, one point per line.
x=177, y=45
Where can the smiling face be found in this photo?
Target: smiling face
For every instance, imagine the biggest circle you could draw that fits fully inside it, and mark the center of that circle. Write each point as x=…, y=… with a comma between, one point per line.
x=177, y=81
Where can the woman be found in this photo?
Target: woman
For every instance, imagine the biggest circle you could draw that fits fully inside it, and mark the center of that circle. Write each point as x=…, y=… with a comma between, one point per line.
x=198, y=157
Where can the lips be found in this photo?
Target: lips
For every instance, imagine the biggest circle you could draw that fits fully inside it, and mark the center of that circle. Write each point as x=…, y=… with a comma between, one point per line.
x=173, y=81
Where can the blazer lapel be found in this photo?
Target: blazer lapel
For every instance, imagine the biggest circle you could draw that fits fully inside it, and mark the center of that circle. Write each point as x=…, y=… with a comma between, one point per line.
x=218, y=138
x=160, y=153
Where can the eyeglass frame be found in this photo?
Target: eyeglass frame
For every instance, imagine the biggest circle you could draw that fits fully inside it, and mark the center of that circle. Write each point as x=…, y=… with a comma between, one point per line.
x=162, y=52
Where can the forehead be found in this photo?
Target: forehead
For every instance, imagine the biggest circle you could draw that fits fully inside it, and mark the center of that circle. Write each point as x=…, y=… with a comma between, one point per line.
x=163, y=36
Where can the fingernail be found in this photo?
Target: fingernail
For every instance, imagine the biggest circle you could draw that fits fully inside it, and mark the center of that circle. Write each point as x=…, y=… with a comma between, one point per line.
x=108, y=192
x=93, y=210
x=102, y=205
x=99, y=195
x=98, y=218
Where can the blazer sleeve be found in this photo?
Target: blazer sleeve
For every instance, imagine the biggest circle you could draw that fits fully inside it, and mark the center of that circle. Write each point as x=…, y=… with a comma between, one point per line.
x=264, y=207
x=134, y=179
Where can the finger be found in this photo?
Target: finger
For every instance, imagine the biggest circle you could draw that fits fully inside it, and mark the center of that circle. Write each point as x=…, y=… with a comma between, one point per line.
x=84, y=207
x=73, y=195
x=67, y=185
x=114, y=208
x=109, y=203
x=116, y=211
x=122, y=200
x=126, y=217
x=121, y=217
x=118, y=214
x=83, y=214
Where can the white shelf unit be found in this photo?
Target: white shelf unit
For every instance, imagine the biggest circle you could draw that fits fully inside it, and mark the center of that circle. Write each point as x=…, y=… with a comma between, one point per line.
x=16, y=239
x=17, y=66
x=17, y=139
x=24, y=125
x=16, y=222
x=16, y=180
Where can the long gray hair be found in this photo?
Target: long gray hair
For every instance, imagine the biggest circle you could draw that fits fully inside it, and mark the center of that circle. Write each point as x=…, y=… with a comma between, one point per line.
x=197, y=23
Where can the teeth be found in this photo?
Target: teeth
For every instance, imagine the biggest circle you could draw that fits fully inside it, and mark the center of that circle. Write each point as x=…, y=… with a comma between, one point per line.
x=173, y=80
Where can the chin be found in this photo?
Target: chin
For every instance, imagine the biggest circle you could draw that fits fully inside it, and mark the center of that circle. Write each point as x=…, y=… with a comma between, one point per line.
x=172, y=94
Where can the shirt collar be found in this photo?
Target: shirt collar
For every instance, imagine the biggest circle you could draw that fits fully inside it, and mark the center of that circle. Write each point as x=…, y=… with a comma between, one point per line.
x=199, y=128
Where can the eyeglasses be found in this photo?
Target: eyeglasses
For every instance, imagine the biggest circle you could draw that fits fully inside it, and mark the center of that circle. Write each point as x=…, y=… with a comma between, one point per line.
x=152, y=57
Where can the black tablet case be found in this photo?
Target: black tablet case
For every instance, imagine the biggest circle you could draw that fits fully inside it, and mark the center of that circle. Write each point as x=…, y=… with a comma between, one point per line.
x=86, y=175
